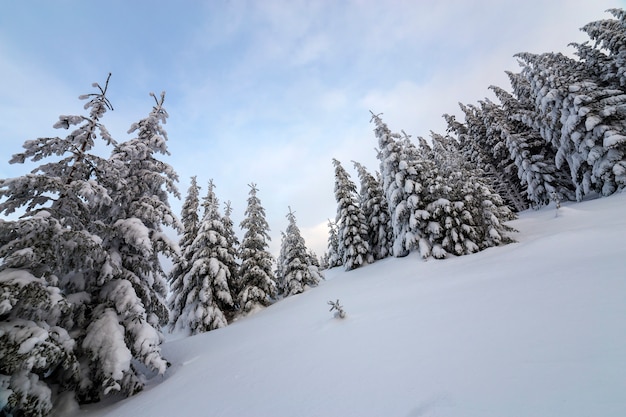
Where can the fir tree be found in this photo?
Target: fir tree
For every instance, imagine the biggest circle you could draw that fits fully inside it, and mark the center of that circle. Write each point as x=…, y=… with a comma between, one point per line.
x=279, y=272
x=376, y=212
x=73, y=210
x=333, y=256
x=485, y=147
x=581, y=119
x=534, y=159
x=466, y=215
x=351, y=223
x=390, y=158
x=205, y=287
x=182, y=263
x=606, y=56
x=232, y=246
x=259, y=286
x=296, y=275
x=141, y=210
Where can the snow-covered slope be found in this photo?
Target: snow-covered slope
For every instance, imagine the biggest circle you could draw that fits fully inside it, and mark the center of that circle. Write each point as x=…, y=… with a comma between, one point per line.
x=535, y=328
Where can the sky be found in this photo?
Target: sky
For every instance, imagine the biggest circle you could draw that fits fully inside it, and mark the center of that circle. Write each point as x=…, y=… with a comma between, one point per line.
x=268, y=91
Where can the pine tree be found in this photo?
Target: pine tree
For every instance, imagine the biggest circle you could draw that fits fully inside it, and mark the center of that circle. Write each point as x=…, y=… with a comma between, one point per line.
x=484, y=146
x=142, y=210
x=581, y=119
x=351, y=223
x=62, y=247
x=258, y=282
x=296, y=275
x=466, y=215
x=315, y=268
x=606, y=57
x=131, y=304
x=376, y=212
x=533, y=157
x=205, y=287
x=390, y=159
x=232, y=246
x=279, y=271
x=182, y=264
x=333, y=256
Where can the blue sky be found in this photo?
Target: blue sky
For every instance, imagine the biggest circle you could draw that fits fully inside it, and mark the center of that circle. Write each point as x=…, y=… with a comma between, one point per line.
x=269, y=91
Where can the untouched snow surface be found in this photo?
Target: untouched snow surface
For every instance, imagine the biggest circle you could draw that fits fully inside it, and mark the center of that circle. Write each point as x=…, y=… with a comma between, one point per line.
x=535, y=328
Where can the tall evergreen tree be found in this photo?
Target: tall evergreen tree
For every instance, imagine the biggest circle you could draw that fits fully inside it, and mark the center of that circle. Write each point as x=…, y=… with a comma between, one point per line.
x=333, y=256
x=232, y=246
x=581, y=119
x=466, y=215
x=141, y=210
x=533, y=157
x=485, y=147
x=279, y=272
x=390, y=158
x=351, y=223
x=205, y=287
x=258, y=282
x=73, y=210
x=606, y=56
x=182, y=264
x=376, y=212
x=296, y=275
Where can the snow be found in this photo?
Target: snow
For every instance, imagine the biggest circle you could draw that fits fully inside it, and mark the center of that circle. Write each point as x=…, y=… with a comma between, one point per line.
x=535, y=328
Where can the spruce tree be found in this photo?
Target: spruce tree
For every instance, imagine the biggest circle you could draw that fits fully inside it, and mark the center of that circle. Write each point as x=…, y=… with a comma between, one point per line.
x=533, y=157
x=376, y=212
x=466, y=215
x=606, y=56
x=232, y=246
x=296, y=276
x=205, y=287
x=257, y=278
x=141, y=211
x=333, y=257
x=390, y=158
x=485, y=147
x=352, y=227
x=51, y=246
x=76, y=280
x=182, y=264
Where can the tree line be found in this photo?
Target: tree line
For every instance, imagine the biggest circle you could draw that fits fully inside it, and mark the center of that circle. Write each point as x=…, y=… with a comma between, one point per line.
x=560, y=134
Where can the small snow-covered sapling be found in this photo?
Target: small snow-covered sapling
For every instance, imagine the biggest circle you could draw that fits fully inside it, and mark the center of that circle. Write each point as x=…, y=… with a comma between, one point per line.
x=340, y=313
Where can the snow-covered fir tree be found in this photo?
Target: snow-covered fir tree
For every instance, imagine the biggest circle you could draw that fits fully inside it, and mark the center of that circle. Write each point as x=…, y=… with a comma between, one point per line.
x=483, y=145
x=257, y=278
x=333, y=256
x=534, y=159
x=315, y=267
x=376, y=212
x=351, y=223
x=73, y=209
x=205, y=286
x=389, y=155
x=141, y=211
x=232, y=245
x=582, y=119
x=280, y=262
x=132, y=301
x=605, y=58
x=182, y=263
x=466, y=215
x=295, y=274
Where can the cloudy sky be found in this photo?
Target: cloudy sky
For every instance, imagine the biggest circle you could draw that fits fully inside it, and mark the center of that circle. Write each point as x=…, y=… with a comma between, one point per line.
x=269, y=91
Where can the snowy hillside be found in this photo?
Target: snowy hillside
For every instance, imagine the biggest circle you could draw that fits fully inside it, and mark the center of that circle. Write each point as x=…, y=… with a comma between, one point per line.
x=535, y=328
